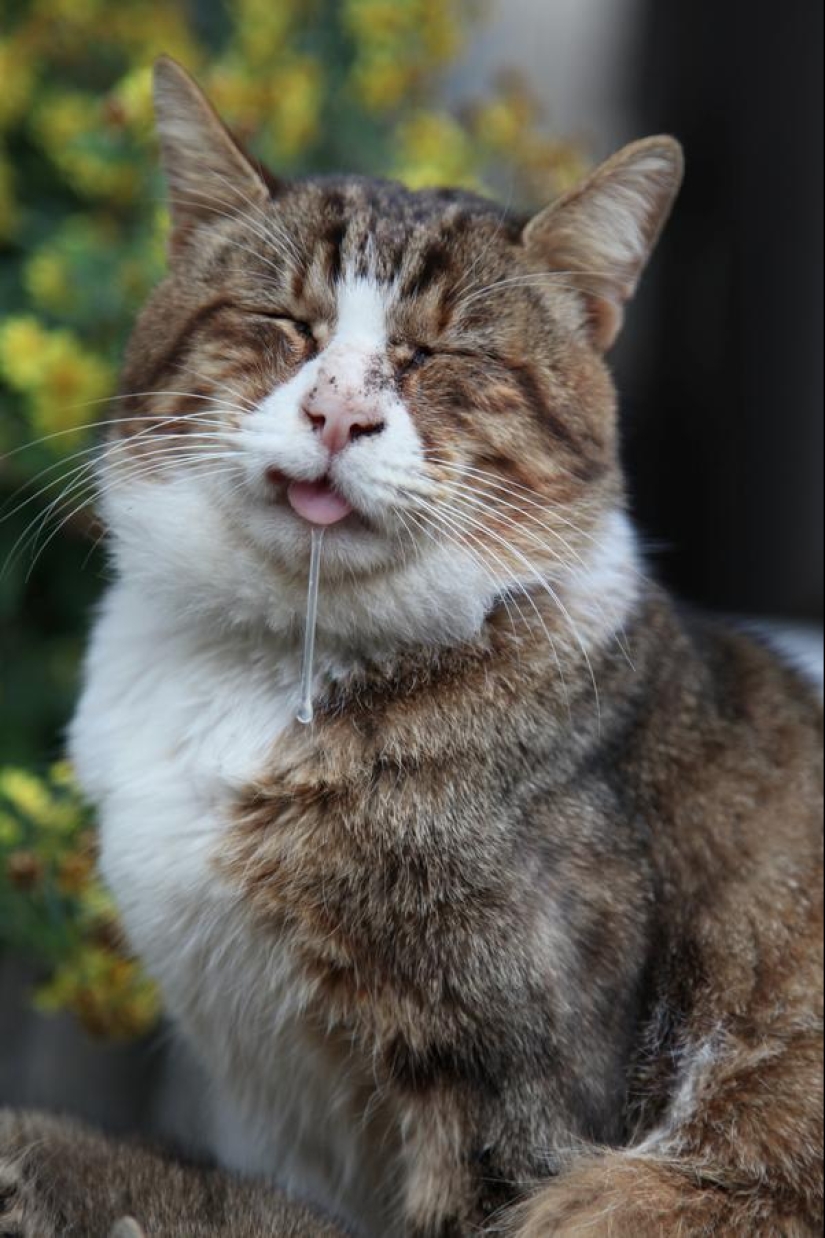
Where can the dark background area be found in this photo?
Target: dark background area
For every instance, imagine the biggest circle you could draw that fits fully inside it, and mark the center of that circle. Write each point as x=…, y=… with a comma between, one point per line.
x=722, y=363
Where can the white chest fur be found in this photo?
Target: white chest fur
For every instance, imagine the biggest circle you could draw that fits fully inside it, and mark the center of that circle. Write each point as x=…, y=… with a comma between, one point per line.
x=168, y=729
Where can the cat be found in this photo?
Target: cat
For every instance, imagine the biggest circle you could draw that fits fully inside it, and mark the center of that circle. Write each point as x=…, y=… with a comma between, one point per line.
x=525, y=930
x=58, y=1179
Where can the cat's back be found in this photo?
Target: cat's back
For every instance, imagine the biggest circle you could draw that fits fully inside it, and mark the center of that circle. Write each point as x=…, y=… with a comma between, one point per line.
x=726, y=763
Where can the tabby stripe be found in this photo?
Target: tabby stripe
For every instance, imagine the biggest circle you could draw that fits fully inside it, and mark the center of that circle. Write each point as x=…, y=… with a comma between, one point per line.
x=432, y=265
x=182, y=339
x=333, y=240
x=530, y=387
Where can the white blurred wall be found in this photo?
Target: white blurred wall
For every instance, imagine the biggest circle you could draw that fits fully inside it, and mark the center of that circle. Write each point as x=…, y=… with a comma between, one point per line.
x=577, y=56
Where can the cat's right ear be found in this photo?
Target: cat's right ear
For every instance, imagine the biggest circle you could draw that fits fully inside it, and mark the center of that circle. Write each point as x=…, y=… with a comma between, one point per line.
x=600, y=236
x=209, y=173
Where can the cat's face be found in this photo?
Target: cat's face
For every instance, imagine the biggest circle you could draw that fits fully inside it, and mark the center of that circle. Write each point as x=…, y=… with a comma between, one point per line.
x=418, y=373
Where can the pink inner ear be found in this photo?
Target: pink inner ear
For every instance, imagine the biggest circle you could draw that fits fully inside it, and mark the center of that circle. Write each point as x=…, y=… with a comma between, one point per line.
x=606, y=319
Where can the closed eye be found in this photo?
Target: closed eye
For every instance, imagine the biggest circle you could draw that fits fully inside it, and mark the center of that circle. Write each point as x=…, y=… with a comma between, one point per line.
x=295, y=326
x=275, y=315
x=413, y=358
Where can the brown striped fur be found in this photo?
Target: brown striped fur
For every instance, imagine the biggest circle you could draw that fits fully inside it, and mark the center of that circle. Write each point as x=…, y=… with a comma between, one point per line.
x=530, y=949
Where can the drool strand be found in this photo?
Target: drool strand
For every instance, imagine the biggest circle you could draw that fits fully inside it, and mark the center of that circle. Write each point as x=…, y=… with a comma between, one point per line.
x=306, y=712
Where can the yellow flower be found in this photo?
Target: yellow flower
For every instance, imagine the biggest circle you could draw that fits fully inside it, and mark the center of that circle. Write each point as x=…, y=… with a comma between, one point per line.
x=72, y=381
x=148, y=29
x=297, y=95
x=62, y=776
x=435, y=150
x=501, y=123
x=263, y=29
x=63, y=117
x=130, y=103
x=26, y=793
x=381, y=82
x=109, y=994
x=97, y=905
x=22, y=341
x=59, y=376
x=34, y=799
x=97, y=176
x=48, y=282
x=80, y=13
x=239, y=97
x=380, y=21
x=441, y=29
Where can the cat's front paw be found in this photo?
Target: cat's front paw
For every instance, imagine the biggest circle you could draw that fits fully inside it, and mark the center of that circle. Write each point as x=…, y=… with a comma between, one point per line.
x=601, y=1197
x=623, y=1196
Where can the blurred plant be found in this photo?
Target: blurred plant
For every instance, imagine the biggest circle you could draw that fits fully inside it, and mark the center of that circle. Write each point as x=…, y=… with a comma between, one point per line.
x=314, y=85
x=54, y=910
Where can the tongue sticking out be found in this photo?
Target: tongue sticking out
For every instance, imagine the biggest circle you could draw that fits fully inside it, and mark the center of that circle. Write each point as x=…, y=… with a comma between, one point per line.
x=317, y=502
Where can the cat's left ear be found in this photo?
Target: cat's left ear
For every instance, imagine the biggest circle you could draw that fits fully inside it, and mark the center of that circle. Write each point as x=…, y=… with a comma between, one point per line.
x=208, y=172
x=602, y=234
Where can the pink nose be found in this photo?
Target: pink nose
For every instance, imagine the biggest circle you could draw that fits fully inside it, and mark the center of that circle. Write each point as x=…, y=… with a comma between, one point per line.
x=339, y=425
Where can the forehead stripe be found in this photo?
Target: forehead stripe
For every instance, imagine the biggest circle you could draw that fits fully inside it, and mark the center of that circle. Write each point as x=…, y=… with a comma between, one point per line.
x=435, y=260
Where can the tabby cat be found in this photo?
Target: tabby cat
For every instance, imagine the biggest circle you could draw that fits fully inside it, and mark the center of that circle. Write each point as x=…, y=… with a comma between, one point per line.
x=525, y=930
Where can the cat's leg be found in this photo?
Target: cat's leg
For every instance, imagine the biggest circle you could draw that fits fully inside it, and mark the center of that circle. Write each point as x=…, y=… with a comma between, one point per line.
x=737, y=1152
x=58, y=1179
x=469, y=1153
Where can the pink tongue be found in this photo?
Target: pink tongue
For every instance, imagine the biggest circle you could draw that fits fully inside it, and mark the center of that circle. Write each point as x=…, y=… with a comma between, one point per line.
x=317, y=502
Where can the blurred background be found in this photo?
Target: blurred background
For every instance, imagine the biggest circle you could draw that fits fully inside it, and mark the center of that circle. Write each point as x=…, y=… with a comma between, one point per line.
x=720, y=367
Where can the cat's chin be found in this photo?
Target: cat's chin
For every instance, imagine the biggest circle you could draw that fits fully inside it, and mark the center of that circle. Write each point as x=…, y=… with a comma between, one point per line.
x=354, y=545
x=229, y=566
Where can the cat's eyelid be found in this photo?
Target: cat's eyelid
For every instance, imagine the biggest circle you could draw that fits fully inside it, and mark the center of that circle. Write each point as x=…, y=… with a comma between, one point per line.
x=277, y=315
x=419, y=352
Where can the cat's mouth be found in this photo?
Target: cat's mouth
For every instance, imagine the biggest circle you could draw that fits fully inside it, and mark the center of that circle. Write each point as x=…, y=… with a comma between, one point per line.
x=317, y=502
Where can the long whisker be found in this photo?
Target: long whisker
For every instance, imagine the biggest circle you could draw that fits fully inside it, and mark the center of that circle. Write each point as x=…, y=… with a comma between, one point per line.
x=276, y=234
x=534, y=278
x=460, y=528
x=153, y=424
x=150, y=464
x=525, y=494
x=581, y=571
x=418, y=516
x=72, y=514
x=87, y=475
x=99, y=452
x=195, y=418
x=192, y=198
x=480, y=500
x=222, y=389
x=547, y=587
x=269, y=221
x=466, y=278
x=278, y=241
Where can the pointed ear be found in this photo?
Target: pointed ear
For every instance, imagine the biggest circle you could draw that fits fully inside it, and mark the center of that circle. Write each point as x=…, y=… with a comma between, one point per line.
x=208, y=172
x=602, y=234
